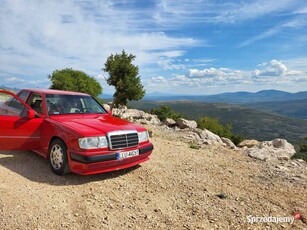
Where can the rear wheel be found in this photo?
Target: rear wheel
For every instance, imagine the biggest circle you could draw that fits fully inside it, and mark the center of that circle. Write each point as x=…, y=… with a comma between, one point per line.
x=57, y=157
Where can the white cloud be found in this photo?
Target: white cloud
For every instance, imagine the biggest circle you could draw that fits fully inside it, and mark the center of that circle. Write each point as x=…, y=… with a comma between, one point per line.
x=246, y=10
x=273, y=68
x=168, y=64
x=101, y=77
x=159, y=79
x=37, y=37
x=219, y=75
x=17, y=82
x=176, y=13
x=212, y=72
x=302, y=10
x=258, y=37
x=13, y=79
x=295, y=23
x=269, y=73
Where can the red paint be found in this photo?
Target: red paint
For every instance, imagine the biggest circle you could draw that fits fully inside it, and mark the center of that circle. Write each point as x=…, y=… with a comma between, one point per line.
x=30, y=132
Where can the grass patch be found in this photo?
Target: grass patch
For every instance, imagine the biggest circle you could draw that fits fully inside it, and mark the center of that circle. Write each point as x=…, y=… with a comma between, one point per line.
x=194, y=146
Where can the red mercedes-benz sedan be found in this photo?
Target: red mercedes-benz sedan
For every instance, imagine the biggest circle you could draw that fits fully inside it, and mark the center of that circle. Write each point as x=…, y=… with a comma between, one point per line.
x=71, y=130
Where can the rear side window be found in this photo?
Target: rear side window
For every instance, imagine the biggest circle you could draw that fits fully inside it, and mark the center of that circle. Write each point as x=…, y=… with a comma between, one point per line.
x=10, y=106
x=35, y=102
x=23, y=95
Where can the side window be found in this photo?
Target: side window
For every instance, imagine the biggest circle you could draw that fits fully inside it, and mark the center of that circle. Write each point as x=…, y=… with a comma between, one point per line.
x=16, y=104
x=23, y=95
x=35, y=102
x=10, y=106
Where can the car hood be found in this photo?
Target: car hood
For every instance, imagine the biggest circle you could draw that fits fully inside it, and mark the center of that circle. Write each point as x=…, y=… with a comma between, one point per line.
x=95, y=125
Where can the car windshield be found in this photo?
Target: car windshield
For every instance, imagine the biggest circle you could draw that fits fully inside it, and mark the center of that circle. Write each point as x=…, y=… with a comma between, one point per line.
x=72, y=104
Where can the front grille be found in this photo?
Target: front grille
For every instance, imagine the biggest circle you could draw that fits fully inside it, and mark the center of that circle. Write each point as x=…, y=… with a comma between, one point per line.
x=123, y=139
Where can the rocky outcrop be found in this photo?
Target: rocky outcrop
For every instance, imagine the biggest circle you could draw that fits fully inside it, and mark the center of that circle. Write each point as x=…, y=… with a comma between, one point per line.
x=186, y=124
x=228, y=143
x=119, y=111
x=185, y=129
x=208, y=137
x=169, y=122
x=106, y=106
x=248, y=143
x=278, y=149
x=135, y=115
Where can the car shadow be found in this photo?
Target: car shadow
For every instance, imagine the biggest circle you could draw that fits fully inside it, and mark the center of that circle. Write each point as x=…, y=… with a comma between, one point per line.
x=35, y=168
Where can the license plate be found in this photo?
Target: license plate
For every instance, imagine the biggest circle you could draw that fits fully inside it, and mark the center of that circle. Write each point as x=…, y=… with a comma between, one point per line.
x=127, y=154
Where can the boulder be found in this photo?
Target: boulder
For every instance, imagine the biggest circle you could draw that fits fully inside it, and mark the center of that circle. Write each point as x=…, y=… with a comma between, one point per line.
x=192, y=136
x=228, y=143
x=169, y=122
x=277, y=149
x=135, y=115
x=131, y=114
x=248, y=143
x=119, y=111
x=106, y=106
x=208, y=136
x=186, y=124
x=148, y=122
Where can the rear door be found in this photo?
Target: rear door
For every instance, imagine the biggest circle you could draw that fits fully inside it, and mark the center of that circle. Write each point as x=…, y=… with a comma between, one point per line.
x=18, y=130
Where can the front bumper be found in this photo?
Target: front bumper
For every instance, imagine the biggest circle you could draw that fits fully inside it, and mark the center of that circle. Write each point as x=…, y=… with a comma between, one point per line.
x=98, y=163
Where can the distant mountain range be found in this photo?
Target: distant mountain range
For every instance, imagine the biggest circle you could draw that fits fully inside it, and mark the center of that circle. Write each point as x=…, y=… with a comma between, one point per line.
x=233, y=98
x=290, y=108
x=8, y=88
x=272, y=101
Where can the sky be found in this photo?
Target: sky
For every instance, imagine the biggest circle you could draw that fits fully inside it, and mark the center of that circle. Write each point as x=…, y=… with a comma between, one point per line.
x=198, y=47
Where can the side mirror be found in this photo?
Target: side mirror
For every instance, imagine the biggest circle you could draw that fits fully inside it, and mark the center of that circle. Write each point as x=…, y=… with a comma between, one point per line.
x=31, y=114
x=110, y=112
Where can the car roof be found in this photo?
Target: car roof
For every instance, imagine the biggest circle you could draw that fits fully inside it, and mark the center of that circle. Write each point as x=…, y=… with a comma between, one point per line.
x=53, y=91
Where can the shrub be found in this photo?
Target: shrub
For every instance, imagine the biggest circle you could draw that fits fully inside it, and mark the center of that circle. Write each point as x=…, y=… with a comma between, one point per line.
x=302, y=154
x=236, y=139
x=165, y=112
x=303, y=146
x=214, y=126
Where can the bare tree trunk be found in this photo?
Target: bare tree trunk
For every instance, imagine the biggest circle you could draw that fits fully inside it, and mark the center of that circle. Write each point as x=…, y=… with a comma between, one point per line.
x=113, y=104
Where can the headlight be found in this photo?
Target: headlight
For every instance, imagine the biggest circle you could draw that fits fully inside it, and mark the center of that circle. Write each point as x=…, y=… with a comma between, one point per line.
x=143, y=136
x=93, y=142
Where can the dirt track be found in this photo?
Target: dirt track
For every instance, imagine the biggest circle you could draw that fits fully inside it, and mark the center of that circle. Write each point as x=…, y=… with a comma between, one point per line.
x=179, y=188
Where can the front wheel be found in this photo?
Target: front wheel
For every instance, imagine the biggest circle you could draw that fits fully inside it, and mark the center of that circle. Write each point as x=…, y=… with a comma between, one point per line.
x=57, y=157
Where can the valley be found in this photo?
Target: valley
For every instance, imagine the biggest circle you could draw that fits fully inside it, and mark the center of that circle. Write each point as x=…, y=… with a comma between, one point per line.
x=250, y=123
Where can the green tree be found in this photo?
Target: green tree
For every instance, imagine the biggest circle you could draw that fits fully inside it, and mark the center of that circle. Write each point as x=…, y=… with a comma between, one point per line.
x=123, y=75
x=165, y=112
x=74, y=80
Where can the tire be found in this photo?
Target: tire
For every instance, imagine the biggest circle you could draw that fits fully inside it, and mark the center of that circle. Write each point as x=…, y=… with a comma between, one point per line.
x=57, y=157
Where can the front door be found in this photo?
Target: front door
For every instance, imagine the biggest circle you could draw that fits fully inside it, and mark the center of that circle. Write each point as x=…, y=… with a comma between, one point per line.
x=18, y=130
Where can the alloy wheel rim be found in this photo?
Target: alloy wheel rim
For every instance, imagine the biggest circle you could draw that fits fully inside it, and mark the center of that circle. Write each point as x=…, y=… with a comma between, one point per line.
x=56, y=156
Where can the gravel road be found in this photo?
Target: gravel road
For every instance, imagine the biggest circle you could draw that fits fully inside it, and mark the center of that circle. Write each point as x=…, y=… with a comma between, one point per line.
x=179, y=188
